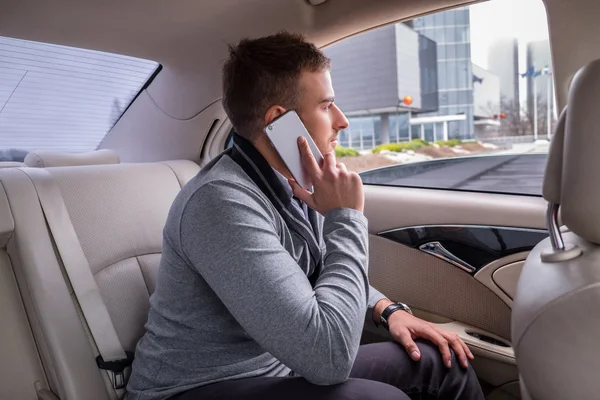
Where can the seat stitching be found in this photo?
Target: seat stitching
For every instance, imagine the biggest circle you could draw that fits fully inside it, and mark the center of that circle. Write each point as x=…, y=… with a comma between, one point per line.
x=174, y=173
x=137, y=258
x=124, y=259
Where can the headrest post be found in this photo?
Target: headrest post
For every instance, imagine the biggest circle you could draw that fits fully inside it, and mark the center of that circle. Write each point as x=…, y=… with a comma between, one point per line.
x=553, y=228
x=559, y=251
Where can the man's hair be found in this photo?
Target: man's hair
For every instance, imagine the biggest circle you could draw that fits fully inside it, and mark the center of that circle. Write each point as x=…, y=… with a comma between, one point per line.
x=264, y=72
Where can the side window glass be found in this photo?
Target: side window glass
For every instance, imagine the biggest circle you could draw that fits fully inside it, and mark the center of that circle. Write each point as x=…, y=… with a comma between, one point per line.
x=466, y=92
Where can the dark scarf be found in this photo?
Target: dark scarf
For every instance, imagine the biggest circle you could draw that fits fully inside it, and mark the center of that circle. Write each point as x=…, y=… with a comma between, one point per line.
x=259, y=170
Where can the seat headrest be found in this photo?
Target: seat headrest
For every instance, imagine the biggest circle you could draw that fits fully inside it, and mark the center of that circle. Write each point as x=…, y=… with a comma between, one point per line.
x=11, y=164
x=49, y=158
x=7, y=223
x=554, y=165
x=580, y=193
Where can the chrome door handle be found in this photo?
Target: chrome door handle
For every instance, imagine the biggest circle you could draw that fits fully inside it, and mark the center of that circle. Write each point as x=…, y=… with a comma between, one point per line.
x=437, y=250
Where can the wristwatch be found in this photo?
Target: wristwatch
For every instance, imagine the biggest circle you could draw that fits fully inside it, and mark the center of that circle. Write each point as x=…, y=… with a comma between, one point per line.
x=392, y=308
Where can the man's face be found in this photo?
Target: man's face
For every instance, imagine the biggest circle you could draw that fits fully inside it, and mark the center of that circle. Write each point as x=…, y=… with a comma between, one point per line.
x=320, y=115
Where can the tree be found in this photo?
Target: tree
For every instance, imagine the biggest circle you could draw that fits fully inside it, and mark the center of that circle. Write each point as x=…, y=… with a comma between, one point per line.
x=518, y=121
x=514, y=123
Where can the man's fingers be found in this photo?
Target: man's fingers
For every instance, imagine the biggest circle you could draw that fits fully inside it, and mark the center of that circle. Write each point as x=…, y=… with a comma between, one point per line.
x=308, y=159
x=329, y=162
x=302, y=193
x=409, y=344
x=342, y=166
x=457, y=345
x=468, y=351
x=434, y=336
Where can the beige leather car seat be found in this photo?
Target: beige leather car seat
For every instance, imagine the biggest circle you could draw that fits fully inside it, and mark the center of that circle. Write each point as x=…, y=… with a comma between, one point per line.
x=51, y=158
x=118, y=213
x=11, y=164
x=20, y=365
x=555, y=326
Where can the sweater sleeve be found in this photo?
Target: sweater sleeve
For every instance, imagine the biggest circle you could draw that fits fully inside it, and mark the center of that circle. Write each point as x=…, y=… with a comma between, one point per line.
x=374, y=297
x=228, y=235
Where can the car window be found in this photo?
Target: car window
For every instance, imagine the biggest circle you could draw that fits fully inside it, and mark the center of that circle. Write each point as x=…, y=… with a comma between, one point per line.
x=62, y=98
x=461, y=99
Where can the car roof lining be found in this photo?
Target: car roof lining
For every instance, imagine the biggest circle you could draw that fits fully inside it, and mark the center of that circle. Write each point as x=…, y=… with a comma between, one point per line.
x=189, y=39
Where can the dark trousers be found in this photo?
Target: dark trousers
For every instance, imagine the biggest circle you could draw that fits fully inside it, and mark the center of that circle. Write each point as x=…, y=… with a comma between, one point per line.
x=382, y=371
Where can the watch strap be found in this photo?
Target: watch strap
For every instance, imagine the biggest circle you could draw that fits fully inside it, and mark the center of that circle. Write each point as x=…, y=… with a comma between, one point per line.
x=392, y=308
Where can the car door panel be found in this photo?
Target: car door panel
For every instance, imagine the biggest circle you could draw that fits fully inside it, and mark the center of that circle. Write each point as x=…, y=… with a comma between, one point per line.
x=389, y=207
x=468, y=247
x=501, y=276
x=474, y=305
x=428, y=283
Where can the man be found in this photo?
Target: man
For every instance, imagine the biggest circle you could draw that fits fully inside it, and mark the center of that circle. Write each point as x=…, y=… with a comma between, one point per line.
x=262, y=290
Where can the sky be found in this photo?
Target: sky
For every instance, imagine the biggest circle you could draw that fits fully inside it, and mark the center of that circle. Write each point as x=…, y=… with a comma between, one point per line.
x=495, y=19
x=523, y=19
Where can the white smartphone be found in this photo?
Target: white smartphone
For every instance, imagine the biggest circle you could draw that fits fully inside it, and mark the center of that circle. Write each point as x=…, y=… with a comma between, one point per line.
x=283, y=133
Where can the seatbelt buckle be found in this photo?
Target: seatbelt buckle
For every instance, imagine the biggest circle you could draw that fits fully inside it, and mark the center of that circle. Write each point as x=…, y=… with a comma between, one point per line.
x=116, y=368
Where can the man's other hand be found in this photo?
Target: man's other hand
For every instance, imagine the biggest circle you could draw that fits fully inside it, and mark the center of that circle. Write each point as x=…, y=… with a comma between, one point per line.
x=334, y=186
x=405, y=328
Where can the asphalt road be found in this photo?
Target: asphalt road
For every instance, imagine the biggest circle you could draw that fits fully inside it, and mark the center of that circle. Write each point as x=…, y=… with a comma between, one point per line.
x=522, y=173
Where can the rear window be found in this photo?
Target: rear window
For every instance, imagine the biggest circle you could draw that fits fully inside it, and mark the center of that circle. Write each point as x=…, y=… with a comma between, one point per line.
x=63, y=98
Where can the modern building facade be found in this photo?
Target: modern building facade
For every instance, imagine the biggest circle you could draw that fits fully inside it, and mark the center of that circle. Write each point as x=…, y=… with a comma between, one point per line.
x=373, y=73
x=451, y=32
x=503, y=61
x=487, y=107
x=405, y=81
x=486, y=93
x=539, y=57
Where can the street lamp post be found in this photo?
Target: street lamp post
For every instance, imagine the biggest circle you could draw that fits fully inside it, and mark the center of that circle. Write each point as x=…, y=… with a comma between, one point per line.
x=549, y=101
x=407, y=101
x=531, y=73
x=535, y=110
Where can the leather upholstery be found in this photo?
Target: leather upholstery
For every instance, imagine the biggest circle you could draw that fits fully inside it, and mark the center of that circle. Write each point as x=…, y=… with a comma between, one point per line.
x=428, y=283
x=555, y=324
x=11, y=164
x=118, y=212
x=580, y=189
x=554, y=317
x=551, y=189
x=19, y=354
x=49, y=158
x=7, y=223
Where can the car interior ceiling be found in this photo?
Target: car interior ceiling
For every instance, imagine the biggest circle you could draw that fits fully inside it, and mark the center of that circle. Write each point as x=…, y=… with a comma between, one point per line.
x=188, y=41
x=179, y=116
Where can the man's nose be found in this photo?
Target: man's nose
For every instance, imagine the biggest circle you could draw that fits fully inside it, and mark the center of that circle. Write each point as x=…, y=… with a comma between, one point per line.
x=341, y=120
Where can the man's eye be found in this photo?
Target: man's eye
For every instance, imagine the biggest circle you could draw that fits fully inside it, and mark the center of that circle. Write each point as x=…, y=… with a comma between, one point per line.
x=329, y=106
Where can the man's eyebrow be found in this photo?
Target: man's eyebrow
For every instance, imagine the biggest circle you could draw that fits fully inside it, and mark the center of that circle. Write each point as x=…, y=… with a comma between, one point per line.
x=327, y=100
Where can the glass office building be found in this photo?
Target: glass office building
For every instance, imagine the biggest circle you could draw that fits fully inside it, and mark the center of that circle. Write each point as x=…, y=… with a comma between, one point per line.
x=451, y=31
x=428, y=59
x=373, y=73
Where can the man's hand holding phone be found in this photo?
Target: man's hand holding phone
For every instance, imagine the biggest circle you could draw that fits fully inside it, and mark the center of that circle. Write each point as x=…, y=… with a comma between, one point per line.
x=333, y=185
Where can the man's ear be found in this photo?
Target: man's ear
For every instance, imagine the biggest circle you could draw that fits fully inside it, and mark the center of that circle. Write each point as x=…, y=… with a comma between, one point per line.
x=272, y=113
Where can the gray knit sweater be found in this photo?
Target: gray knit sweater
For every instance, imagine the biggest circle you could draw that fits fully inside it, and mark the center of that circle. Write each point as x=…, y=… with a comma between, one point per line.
x=246, y=288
